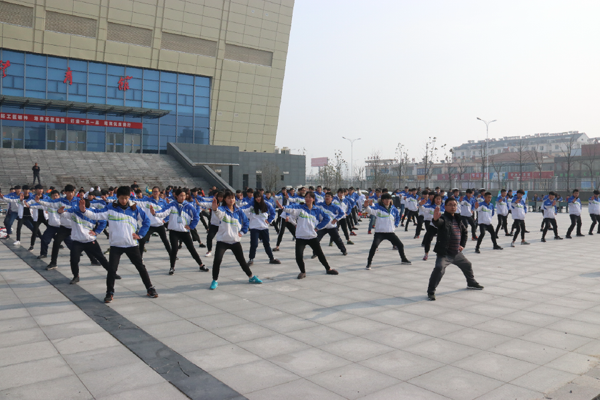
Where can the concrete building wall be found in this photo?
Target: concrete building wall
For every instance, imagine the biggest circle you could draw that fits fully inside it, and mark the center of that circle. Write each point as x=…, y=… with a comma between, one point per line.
x=241, y=44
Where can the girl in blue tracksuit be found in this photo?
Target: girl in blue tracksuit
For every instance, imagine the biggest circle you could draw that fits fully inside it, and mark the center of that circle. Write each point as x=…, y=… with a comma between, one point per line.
x=428, y=210
x=183, y=217
x=387, y=220
x=215, y=222
x=234, y=224
x=310, y=219
x=260, y=214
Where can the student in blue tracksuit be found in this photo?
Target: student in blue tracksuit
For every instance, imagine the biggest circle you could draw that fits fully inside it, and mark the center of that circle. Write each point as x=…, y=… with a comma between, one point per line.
x=234, y=224
x=594, y=211
x=549, y=208
x=157, y=224
x=502, y=212
x=375, y=197
x=412, y=208
x=183, y=217
x=574, y=213
x=518, y=210
x=23, y=213
x=335, y=214
x=124, y=235
x=260, y=215
x=310, y=219
x=467, y=205
x=485, y=212
x=387, y=220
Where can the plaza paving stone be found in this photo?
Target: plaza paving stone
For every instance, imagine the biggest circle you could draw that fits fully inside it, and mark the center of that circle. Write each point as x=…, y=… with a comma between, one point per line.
x=534, y=331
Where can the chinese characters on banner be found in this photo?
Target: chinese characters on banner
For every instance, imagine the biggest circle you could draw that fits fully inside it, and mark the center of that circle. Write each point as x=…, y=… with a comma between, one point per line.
x=70, y=121
x=68, y=77
x=124, y=83
x=3, y=67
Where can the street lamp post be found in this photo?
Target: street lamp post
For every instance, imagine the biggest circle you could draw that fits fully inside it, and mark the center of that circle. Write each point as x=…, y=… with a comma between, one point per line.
x=351, y=158
x=487, y=165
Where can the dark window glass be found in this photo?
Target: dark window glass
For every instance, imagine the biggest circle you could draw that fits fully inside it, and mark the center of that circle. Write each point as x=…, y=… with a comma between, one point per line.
x=35, y=135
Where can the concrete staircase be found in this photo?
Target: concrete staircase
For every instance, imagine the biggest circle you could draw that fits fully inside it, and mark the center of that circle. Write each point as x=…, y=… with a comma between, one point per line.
x=87, y=169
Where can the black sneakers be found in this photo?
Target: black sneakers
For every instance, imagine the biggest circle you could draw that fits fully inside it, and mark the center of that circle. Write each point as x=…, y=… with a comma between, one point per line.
x=406, y=262
x=117, y=276
x=332, y=272
x=313, y=256
x=498, y=248
x=477, y=250
x=202, y=245
x=42, y=256
x=431, y=296
x=474, y=286
x=74, y=280
x=302, y=275
x=203, y=268
x=250, y=262
x=171, y=271
x=108, y=298
x=152, y=292
x=274, y=261
x=30, y=248
x=50, y=267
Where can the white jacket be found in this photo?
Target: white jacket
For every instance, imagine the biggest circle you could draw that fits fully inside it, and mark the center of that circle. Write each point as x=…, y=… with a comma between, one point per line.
x=308, y=220
x=519, y=209
x=485, y=212
x=232, y=224
x=122, y=223
x=386, y=220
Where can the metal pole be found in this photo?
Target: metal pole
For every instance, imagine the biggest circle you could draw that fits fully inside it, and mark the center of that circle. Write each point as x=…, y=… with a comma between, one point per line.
x=486, y=169
x=351, y=158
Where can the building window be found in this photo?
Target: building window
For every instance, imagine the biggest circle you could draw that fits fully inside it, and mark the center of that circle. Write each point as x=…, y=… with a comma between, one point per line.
x=245, y=181
x=282, y=177
x=259, y=181
x=542, y=148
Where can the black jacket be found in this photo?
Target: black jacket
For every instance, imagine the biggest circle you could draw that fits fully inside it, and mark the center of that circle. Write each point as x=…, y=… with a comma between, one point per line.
x=444, y=226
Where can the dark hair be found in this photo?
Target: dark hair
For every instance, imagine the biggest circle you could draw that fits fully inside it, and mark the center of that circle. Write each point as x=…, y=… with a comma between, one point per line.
x=219, y=194
x=121, y=191
x=435, y=196
x=310, y=194
x=551, y=194
x=448, y=200
x=425, y=193
x=156, y=187
x=68, y=188
x=575, y=190
x=260, y=207
x=340, y=190
x=53, y=192
x=226, y=194
x=596, y=192
x=487, y=194
x=521, y=191
x=469, y=191
x=138, y=191
x=503, y=190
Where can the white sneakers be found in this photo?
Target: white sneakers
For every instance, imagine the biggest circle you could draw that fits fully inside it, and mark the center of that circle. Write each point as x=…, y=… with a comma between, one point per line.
x=209, y=254
x=17, y=243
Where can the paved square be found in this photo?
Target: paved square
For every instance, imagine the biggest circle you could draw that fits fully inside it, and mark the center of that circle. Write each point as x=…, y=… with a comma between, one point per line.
x=533, y=331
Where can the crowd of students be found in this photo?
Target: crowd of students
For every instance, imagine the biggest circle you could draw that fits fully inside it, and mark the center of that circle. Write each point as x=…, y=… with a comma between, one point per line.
x=129, y=217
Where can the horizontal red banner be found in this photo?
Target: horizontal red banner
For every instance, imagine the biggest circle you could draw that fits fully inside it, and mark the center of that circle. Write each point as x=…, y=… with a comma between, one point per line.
x=70, y=121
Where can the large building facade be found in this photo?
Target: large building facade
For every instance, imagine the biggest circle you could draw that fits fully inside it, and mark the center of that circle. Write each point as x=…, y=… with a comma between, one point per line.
x=133, y=75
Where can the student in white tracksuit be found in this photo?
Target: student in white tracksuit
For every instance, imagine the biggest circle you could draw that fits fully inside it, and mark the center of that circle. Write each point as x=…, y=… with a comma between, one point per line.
x=502, y=212
x=234, y=224
x=260, y=215
x=518, y=211
x=485, y=214
x=574, y=204
x=594, y=210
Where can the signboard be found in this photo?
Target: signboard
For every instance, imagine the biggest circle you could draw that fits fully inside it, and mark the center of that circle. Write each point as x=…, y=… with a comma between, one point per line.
x=70, y=121
x=531, y=175
x=319, y=162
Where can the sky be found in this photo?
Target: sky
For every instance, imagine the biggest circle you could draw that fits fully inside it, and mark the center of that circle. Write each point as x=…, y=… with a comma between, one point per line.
x=398, y=72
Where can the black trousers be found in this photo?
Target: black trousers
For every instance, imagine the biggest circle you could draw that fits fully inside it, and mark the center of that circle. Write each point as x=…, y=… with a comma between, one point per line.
x=28, y=222
x=186, y=238
x=63, y=234
x=546, y=223
x=575, y=220
x=238, y=252
x=482, y=229
x=355, y=215
x=442, y=262
x=420, y=220
x=595, y=219
x=380, y=237
x=134, y=255
x=334, y=236
x=162, y=232
x=502, y=224
x=263, y=236
x=284, y=224
x=205, y=218
x=316, y=248
x=431, y=232
x=469, y=221
x=36, y=176
x=212, y=232
x=92, y=249
x=36, y=226
x=195, y=236
x=411, y=215
x=343, y=223
x=519, y=225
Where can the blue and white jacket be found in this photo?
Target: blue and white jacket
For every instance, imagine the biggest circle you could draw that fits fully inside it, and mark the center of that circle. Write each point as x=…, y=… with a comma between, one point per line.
x=158, y=206
x=518, y=208
x=333, y=211
x=467, y=205
x=307, y=220
x=180, y=215
x=412, y=202
x=232, y=224
x=549, y=209
x=429, y=210
x=342, y=203
x=485, y=212
x=387, y=220
x=82, y=226
x=15, y=200
x=502, y=205
x=260, y=221
x=58, y=203
x=574, y=205
x=594, y=205
x=122, y=223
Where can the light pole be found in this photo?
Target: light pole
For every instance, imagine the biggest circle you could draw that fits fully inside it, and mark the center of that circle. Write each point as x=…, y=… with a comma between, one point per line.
x=351, y=158
x=487, y=165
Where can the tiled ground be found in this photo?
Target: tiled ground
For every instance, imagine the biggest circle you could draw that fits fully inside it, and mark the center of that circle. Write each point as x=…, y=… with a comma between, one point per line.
x=363, y=334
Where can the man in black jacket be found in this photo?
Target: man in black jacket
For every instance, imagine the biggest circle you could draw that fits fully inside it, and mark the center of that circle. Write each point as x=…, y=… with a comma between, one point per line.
x=451, y=240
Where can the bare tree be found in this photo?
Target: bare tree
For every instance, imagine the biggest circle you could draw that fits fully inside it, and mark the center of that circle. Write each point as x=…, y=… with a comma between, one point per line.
x=569, y=158
x=429, y=158
x=379, y=170
x=359, y=177
x=522, y=157
x=497, y=167
x=538, y=160
x=270, y=175
x=451, y=166
x=483, y=153
x=402, y=166
x=461, y=168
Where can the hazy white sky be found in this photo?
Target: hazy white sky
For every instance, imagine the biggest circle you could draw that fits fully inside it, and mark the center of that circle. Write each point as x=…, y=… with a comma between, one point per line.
x=399, y=71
